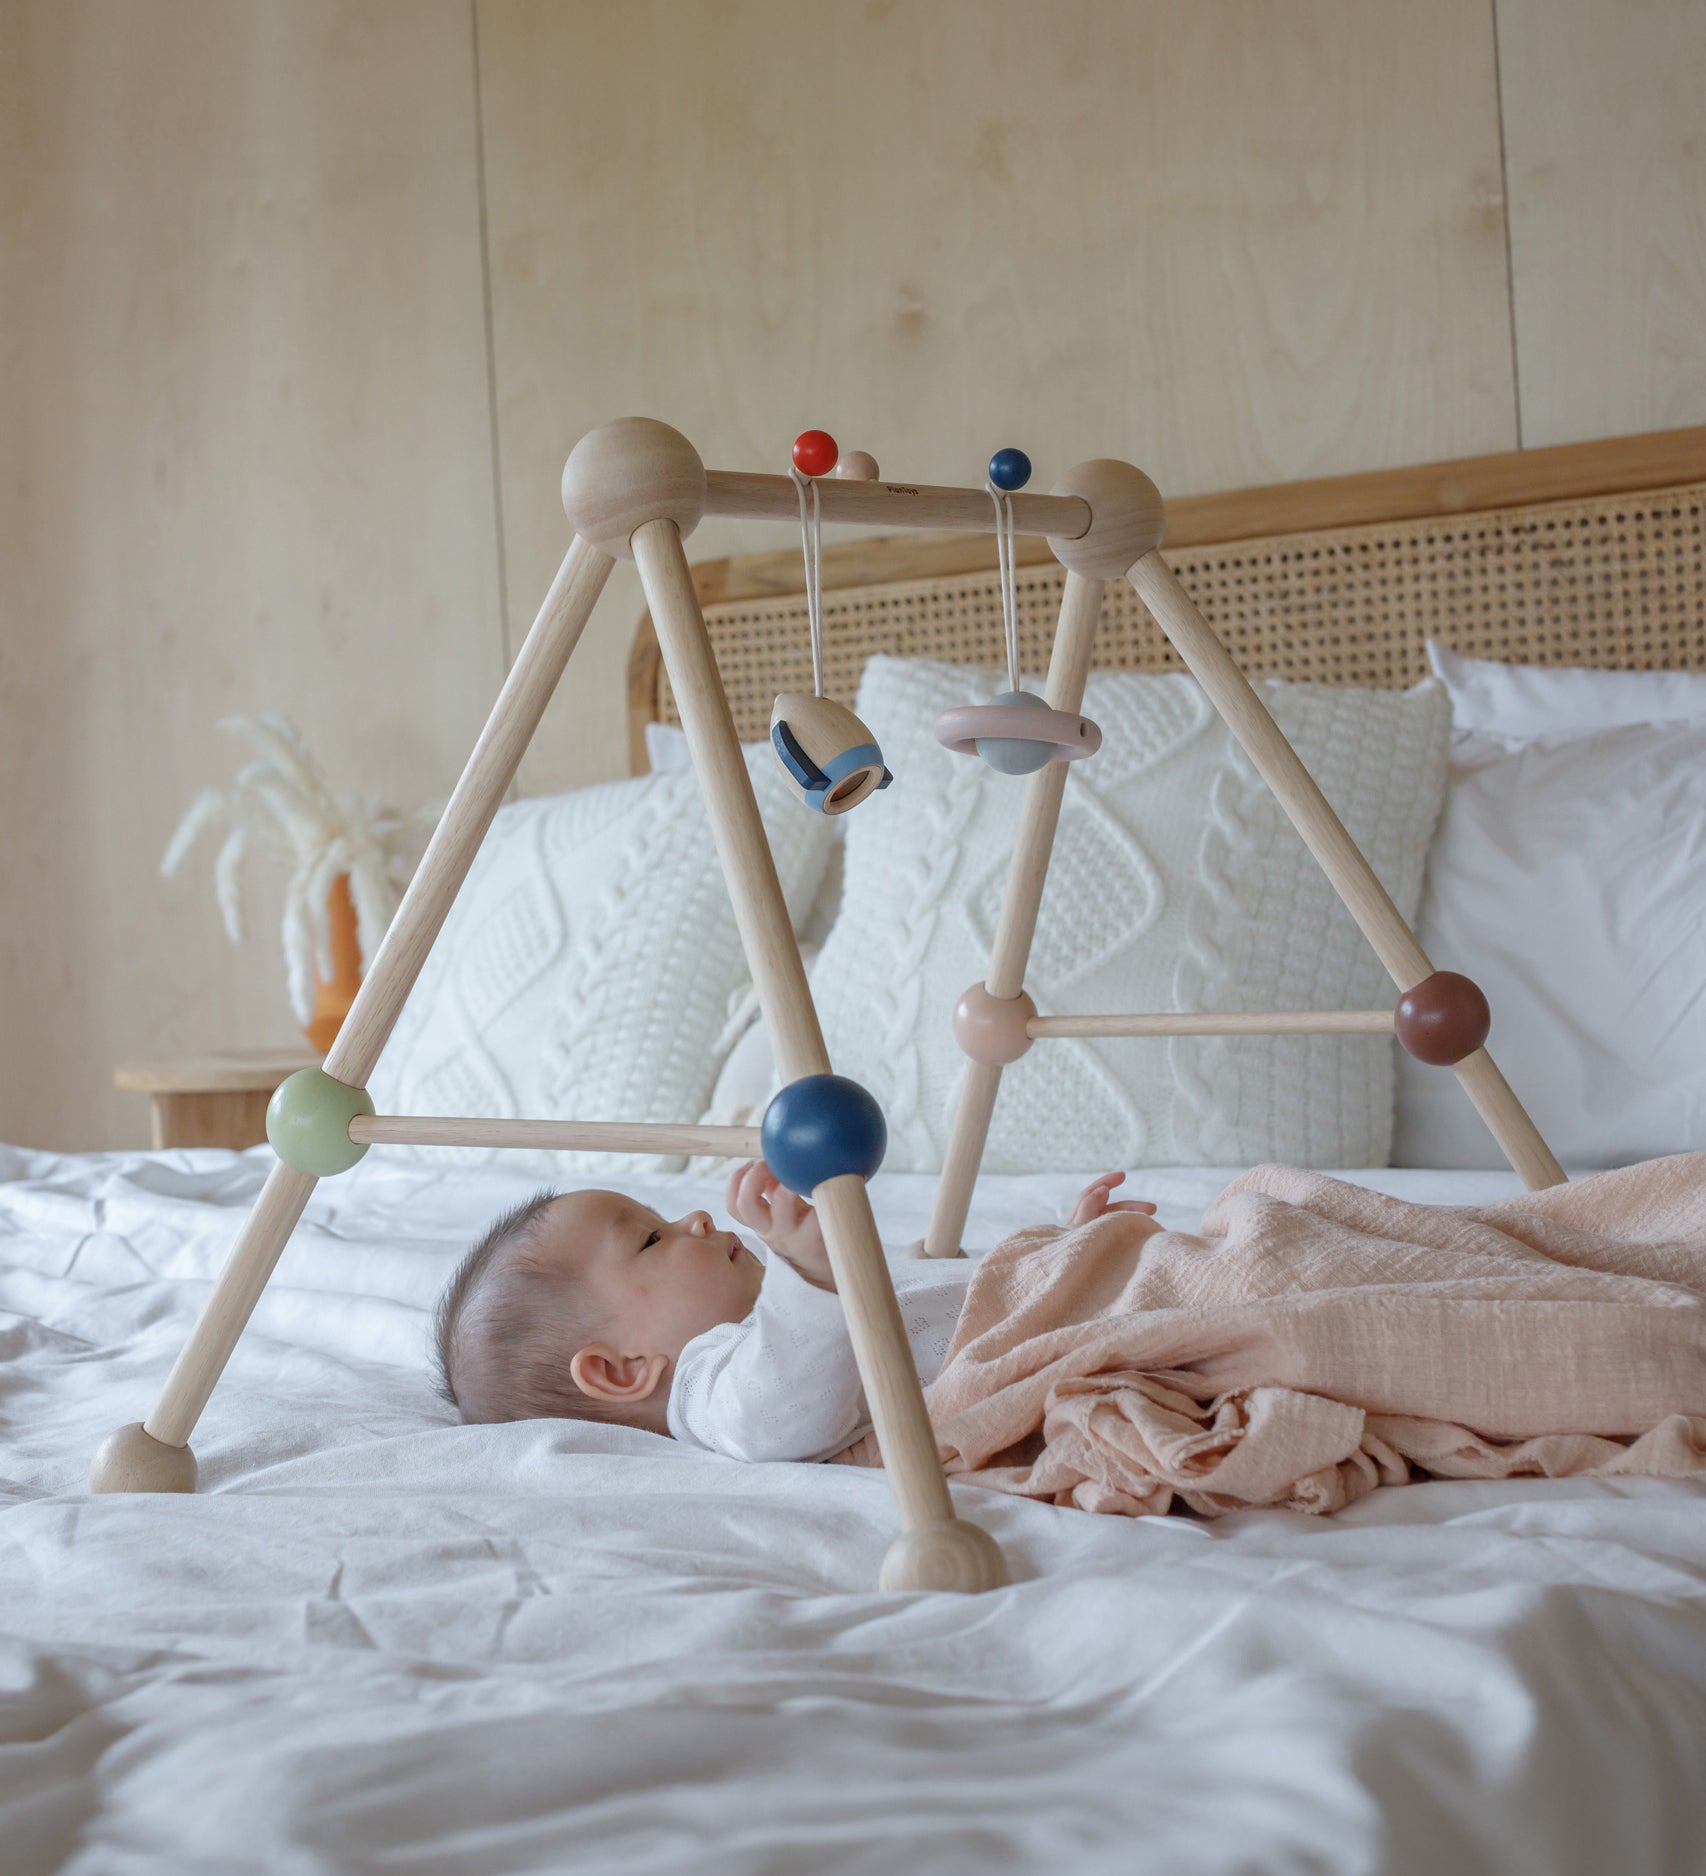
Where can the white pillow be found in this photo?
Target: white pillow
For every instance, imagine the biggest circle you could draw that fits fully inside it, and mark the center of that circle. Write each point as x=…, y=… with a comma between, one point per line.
x=1517, y=701
x=1177, y=883
x=586, y=969
x=666, y=748
x=666, y=751
x=1568, y=879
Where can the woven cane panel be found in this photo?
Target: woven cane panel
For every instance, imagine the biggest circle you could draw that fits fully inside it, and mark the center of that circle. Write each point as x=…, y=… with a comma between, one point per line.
x=1616, y=581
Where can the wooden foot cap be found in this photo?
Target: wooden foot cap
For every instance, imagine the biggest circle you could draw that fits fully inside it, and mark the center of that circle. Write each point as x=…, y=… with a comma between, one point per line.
x=132, y=1460
x=955, y=1556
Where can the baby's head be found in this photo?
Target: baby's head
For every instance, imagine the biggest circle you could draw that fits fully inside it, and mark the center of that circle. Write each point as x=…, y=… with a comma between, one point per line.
x=576, y=1306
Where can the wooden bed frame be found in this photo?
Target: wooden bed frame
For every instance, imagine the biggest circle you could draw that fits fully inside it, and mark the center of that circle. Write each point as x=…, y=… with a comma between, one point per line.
x=1587, y=554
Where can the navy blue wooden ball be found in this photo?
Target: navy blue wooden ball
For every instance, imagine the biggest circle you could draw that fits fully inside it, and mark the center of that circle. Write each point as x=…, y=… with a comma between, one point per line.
x=820, y=1127
x=1009, y=469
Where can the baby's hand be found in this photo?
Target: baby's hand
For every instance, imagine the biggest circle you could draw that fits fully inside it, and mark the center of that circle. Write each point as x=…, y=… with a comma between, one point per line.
x=759, y=1200
x=1093, y=1201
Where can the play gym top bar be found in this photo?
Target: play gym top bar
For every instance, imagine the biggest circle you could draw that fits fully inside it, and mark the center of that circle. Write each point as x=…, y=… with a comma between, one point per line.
x=744, y=497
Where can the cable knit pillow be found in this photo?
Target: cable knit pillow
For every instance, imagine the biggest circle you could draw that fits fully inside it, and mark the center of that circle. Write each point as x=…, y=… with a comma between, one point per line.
x=1177, y=884
x=586, y=968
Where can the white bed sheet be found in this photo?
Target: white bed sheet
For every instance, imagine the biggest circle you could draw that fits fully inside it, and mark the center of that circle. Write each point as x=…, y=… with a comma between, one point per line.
x=377, y=1640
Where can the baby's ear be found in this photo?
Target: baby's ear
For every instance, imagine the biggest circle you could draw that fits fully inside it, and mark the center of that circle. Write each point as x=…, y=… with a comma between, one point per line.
x=624, y=1380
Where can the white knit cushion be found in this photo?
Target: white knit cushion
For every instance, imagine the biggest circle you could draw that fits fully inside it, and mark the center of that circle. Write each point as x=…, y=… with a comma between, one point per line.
x=1176, y=884
x=586, y=968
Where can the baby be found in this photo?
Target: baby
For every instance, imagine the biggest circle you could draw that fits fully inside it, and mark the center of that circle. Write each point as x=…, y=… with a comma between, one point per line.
x=589, y=1306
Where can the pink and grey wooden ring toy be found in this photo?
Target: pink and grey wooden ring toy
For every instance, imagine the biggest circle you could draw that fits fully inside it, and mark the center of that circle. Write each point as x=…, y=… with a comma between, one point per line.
x=1017, y=733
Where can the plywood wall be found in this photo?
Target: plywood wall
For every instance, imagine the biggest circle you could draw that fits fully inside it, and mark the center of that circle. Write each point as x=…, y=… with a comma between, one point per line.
x=302, y=304
x=243, y=398
x=1605, y=145
x=1223, y=241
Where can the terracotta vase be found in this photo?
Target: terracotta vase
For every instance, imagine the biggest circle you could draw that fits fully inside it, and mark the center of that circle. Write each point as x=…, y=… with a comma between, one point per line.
x=332, y=999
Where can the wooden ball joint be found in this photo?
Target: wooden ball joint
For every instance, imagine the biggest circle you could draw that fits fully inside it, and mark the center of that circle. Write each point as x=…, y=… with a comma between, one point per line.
x=308, y=1121
x=627, y=473
x=1443, y=1019
x=992, y=1029
x=832, y=762
x=1127, y=519
x=822, y=1127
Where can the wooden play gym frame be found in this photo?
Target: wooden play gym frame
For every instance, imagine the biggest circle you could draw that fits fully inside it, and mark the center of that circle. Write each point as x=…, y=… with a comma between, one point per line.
x=635, y=489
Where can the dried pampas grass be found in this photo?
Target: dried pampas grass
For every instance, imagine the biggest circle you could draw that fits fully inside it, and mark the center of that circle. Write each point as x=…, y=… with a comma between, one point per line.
x=281, y=803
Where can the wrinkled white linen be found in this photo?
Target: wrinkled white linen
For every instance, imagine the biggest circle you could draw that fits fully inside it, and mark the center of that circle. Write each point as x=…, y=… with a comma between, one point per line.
x=378, y=1640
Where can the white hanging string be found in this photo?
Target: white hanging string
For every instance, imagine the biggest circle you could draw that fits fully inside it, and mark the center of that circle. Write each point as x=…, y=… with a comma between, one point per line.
x=1009, y=586
x=811, y=546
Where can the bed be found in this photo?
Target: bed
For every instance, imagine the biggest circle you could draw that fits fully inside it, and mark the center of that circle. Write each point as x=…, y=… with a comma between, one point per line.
x=376, y=1639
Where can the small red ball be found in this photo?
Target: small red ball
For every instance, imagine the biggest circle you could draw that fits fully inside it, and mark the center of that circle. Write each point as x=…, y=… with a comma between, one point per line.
x=815, y=452
x=1444, y=1018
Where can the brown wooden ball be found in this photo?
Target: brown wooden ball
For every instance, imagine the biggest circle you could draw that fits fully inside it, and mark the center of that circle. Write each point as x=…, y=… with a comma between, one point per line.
x=1443, y=1019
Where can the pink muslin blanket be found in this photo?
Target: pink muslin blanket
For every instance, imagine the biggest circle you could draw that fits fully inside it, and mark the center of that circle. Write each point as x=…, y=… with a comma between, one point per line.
x=1313, y=1340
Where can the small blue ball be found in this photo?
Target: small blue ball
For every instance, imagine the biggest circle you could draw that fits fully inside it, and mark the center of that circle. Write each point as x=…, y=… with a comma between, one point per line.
x=820, y=1127
x=1009, y=469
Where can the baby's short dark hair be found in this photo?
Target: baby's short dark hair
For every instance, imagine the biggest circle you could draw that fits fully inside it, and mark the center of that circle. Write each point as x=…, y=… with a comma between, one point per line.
x=508, y=1324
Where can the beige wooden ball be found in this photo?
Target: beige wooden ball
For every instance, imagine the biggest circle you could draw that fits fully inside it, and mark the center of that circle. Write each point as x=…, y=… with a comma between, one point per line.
x=1127, y=519
x=956, y=1556
x=627, y=473
x=132, y=1460
x=857, y=466
x=992, y=1029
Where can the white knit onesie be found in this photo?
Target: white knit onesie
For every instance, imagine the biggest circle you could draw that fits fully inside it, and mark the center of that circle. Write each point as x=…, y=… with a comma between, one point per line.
x=782, y=1384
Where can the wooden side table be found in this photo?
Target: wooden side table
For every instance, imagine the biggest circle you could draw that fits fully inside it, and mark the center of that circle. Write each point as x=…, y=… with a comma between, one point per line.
x=213, y=1100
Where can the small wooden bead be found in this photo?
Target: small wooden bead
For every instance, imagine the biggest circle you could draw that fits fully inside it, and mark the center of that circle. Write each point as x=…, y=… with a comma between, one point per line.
x=1009, y=469
x=857, y=466
x=814, y=452
x=1443, y=1018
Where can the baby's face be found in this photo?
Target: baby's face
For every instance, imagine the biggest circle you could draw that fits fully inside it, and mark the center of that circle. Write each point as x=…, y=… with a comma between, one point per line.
x=656, y=1283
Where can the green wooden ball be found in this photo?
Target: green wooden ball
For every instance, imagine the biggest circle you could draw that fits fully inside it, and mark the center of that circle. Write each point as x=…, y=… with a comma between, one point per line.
x=308, y=1121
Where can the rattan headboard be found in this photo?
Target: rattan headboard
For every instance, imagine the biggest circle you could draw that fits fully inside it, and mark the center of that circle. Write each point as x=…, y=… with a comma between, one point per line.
x=1588, y=554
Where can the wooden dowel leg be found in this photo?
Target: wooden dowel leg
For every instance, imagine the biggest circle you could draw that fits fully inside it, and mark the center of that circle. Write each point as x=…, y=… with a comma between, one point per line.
x=867, y=1295
x=935, y=1551
x=1340, y=858
x=1508, y=1121
x=251, y=1262
x=766, y=934
x=1069, y=668
x=131, y=1459
x=974, y=1109
x=154, y=1456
